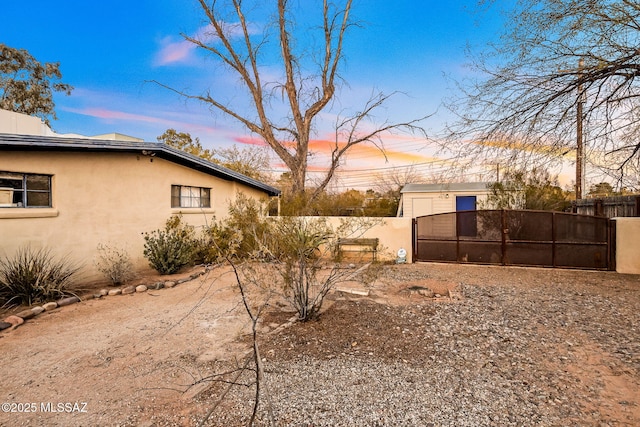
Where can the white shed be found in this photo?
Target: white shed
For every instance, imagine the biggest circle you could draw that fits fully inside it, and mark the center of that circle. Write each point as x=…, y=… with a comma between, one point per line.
x=428, y=199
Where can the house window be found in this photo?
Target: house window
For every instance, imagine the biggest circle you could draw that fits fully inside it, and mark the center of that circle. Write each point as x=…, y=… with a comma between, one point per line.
x=24, y=190
x=183, y=196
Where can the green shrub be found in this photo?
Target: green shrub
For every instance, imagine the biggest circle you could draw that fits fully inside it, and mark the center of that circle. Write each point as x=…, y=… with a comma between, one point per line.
x=34, y=276
x=171, y=249
x=115, y=263
x=220, y=241
x=239, y=235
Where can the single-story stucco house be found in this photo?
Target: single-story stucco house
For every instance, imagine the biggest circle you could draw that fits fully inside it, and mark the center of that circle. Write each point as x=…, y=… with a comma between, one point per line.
x=429, y=199
x=70, y=194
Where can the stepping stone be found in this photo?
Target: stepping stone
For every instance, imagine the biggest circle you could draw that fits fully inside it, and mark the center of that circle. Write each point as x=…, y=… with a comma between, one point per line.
x=37, y=310
x=50, y=306
x=128, y=290
x=26, y=314
x=15, y=321
x=68, y=301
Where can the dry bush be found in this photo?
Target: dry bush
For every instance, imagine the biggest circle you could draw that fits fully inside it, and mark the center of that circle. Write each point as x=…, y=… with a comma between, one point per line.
x=115, y=263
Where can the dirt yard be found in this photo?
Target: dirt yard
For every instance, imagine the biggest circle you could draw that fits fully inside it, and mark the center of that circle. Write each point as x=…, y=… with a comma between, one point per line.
x=505, y=346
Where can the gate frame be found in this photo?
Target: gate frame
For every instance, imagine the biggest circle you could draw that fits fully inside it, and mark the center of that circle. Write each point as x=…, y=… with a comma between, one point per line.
x=610, y=243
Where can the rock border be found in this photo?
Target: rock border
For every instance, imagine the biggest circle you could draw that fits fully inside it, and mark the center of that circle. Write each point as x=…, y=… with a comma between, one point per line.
x=13, y=321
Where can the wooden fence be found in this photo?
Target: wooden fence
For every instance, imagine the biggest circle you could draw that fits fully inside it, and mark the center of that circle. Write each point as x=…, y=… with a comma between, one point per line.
x=610, y=207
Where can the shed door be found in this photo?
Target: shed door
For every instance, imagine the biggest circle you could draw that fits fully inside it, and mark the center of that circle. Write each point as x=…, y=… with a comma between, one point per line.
x=467, y=223
x=465, y=203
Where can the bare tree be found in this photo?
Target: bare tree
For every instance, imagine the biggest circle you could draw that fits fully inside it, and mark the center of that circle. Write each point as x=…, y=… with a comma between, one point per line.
x=283, y=110
x=255, y=300
x=392, y=181
x=564, y=73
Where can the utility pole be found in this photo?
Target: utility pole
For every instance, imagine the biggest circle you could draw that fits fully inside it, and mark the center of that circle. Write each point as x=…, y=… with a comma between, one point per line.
x=579, y=138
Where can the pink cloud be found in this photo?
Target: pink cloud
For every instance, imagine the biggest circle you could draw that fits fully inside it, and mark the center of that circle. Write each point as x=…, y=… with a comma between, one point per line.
x=250, y=140
x=182, y=51
x=173, y=52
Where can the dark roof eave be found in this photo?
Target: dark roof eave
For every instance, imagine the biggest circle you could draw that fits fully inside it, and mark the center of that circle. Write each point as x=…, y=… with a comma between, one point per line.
x=42, y=143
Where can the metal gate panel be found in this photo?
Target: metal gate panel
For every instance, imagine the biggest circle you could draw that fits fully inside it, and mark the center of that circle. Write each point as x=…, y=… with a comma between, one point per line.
x=516, y=237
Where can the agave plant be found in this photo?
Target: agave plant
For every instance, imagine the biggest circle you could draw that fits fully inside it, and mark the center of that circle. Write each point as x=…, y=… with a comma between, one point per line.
x=34, y=276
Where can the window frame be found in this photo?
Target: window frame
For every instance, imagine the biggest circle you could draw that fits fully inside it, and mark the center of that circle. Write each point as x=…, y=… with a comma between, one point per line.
x=190, y=197
x=27, y=190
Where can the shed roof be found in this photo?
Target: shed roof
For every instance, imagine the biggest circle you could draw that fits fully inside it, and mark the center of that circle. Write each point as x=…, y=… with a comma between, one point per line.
x=446, y=187
x=11, y=142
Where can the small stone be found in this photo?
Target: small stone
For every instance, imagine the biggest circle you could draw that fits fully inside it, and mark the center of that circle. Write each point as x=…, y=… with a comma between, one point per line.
x=169, y=284
x=158, y=285
x=37, y=310
x=15, y=321
x=128, y=290
x=4, y=325
x=141, y=288
x=68, y=301
x=104, y=292
x=97, y=296
x=115, y=292
x=426, y=292
x=26, y=314
x=50, y=305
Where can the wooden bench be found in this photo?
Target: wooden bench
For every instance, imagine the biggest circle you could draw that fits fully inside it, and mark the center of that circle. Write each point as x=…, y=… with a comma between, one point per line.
x=365, y=246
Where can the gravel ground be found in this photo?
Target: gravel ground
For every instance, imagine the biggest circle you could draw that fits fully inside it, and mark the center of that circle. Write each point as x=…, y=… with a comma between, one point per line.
x=521, y=347
x=482, y=346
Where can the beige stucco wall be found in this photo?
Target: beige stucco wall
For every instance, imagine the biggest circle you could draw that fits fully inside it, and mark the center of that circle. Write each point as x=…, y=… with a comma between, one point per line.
x=104, y=198
x=394, y=233
x=628, y=245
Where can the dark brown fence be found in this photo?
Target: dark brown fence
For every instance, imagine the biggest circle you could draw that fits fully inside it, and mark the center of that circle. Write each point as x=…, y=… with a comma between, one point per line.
x=611, y=207
x=533, y=238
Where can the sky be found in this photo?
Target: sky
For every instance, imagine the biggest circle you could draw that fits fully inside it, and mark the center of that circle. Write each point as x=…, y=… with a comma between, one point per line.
x=110, y=52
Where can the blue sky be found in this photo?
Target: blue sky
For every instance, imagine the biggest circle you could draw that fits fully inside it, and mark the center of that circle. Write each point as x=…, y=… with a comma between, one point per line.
x=110, y=50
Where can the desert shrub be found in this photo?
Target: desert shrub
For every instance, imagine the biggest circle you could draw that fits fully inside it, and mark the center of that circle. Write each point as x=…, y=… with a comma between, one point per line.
x=298, y=250
x=115, y=263
x=219, y=242
x=302, y=249
x=297, y=245
x=34, y=276
x=297, y=238
x=171, y=249
x=240, y=234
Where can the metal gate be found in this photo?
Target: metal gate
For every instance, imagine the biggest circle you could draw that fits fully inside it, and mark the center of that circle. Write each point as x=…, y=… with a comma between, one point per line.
x=516, y=237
